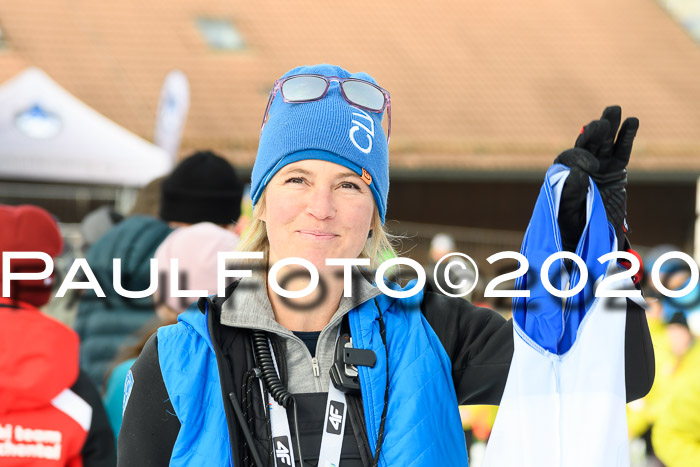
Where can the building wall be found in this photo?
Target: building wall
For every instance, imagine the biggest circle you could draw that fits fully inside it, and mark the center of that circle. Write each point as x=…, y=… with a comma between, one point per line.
x=657, y=212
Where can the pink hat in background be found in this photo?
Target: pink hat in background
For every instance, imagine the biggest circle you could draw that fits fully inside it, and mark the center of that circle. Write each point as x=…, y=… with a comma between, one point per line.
x=195, y=247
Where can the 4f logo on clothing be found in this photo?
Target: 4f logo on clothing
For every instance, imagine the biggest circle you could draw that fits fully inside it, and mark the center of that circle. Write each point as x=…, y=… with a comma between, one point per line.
x=335, y=417
x=282, y=452
x=368, y=131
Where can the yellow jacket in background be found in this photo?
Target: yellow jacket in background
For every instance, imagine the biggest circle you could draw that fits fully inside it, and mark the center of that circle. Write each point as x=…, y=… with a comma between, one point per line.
x=642, y=413
x=676, y=434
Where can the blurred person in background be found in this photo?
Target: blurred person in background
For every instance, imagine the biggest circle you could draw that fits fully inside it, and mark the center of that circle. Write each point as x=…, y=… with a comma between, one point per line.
x=50, y=412
x=680, y=338
x=674, y=274
x=204, y=187
x=687, y=305
x=676, y=433
x=196, y=248
x=248, y=380
x=671, y=341
x=93, y=226
x=104, y=324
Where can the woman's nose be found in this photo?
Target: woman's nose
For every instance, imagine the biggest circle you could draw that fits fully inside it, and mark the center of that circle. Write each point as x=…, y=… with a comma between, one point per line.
x=321, y=204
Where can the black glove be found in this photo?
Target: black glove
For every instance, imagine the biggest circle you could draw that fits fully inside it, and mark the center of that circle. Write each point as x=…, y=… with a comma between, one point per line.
x=598, y=154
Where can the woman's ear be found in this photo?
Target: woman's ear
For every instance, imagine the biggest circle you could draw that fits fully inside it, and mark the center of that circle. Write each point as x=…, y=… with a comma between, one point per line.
x=259, y=210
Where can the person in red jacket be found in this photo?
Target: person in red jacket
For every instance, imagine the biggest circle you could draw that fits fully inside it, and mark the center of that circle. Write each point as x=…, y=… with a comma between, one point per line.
x=50, y=413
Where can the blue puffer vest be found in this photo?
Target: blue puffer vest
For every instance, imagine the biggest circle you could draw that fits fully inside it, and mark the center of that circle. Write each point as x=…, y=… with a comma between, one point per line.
x=422, y=427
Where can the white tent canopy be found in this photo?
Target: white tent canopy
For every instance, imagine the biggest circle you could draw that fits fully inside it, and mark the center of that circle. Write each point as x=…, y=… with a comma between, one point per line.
x=48, y=135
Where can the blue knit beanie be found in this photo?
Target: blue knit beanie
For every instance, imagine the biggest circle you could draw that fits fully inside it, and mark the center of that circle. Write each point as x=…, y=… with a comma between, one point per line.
x=329, y=129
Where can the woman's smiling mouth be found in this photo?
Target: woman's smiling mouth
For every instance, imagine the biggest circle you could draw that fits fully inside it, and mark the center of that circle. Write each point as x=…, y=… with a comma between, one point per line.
x=317, y=234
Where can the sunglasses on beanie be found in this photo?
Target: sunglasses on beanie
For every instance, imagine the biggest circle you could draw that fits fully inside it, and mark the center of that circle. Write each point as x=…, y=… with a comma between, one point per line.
x=299, y=89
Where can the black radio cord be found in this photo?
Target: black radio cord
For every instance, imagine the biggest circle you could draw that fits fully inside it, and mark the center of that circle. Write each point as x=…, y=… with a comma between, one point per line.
x=246, y=431
x=263, y=355
x=380, y=437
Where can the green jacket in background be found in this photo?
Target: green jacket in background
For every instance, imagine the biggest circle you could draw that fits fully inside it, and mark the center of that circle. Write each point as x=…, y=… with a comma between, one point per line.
x=106, y=324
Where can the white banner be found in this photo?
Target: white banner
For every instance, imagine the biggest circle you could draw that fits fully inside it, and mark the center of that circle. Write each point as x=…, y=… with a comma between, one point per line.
x=172, y=112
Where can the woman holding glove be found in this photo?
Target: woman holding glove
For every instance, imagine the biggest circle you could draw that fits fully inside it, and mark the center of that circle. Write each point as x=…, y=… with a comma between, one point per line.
x=345, y=376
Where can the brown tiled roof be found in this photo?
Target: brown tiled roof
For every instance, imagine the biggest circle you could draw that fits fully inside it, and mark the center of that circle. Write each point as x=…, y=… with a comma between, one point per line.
x=476, y=86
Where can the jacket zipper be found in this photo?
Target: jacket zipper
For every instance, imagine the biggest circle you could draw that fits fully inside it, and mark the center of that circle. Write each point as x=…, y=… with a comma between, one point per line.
x=317, y=369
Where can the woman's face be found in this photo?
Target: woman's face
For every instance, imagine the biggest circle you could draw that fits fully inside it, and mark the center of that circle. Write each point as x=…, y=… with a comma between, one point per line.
x=316, y=210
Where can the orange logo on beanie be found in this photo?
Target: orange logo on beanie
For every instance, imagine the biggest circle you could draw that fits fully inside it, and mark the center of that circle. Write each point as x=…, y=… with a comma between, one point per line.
x=366, y=177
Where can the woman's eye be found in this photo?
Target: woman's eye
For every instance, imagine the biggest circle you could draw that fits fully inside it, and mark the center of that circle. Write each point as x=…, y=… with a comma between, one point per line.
x=350, y=185
x=295, y=180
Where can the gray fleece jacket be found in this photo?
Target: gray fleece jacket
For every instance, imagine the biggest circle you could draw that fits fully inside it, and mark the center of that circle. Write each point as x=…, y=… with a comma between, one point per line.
x=250, y=308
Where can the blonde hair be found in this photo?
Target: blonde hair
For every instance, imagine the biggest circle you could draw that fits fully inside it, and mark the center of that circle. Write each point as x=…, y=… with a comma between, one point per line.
x=378, y=247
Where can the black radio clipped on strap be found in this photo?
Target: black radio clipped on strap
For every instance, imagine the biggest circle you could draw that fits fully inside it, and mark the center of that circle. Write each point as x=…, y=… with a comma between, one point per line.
x=343, y=372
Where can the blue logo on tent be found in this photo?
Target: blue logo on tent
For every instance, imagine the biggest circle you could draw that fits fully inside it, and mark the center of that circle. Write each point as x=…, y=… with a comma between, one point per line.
x=38, y=123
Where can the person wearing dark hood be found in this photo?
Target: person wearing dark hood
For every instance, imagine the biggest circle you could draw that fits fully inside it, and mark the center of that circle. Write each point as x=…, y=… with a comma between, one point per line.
x=50, y=412
x=106, y=323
